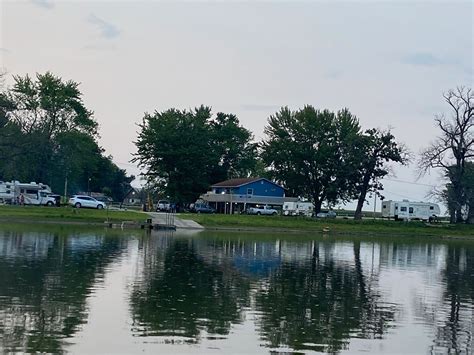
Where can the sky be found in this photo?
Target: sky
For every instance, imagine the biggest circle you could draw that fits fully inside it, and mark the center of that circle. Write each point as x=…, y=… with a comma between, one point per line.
x=389, y=62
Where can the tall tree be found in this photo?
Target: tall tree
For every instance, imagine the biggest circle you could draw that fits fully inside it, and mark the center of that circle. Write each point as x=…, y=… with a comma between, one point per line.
x=43, y=109
x=448, y=195
x=454, y=147
x=48, y=135
x=184, y=152
x=375, y=149
x=235, y=153
x=308, y=151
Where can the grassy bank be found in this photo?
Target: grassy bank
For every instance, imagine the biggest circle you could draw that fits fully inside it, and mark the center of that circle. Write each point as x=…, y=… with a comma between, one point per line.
x=333, y=225
x=66, y=214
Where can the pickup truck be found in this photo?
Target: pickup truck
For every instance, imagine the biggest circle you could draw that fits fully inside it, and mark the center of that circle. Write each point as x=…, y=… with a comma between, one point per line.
x=262, y=210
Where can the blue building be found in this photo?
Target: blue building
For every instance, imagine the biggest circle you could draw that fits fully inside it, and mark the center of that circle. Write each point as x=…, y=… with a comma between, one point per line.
x=236, y=195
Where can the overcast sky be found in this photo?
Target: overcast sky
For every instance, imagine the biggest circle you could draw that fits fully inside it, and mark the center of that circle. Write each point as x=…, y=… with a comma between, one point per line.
x=387, y=61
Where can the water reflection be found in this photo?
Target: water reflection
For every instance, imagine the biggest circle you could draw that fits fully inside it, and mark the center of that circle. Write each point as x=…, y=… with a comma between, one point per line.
x=45, y=280
x=321, y=305
x=211, y=291
x=182, y=293
x=303, y=301
x=455, y=318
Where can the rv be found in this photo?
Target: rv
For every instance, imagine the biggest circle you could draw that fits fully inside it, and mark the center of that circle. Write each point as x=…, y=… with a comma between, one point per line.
x=298, y=208
x=406, y=210
x=15, y=192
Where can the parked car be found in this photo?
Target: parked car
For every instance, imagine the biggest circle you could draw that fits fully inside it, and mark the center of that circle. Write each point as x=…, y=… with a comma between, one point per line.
x=262, y=210
x=163, y=206
x=202, y=208
x=328, y=214
x=79, y=201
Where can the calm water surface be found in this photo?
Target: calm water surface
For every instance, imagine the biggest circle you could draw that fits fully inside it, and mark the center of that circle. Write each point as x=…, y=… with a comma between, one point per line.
x=101, y=291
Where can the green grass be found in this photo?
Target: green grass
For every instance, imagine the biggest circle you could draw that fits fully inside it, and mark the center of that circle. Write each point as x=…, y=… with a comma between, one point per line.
x=333, y=225
x=67, y=214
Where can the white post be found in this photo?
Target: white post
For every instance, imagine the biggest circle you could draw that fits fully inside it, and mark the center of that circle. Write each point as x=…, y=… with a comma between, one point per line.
x=375, y=203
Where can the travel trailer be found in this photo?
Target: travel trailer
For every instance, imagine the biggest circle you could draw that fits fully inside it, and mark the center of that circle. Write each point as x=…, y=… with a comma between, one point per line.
x=298, y=208
x=406, y=210
x=32, y=193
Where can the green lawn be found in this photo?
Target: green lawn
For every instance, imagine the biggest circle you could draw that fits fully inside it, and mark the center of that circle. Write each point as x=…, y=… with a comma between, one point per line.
x=67, y=214
x=333, y=225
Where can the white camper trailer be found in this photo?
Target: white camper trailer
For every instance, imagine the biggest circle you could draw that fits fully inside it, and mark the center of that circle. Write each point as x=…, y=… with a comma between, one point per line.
x=298, y=208
x=406, y=210
x=30, y=193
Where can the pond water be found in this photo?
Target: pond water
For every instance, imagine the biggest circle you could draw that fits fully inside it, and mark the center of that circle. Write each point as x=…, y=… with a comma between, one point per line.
x=103, y=291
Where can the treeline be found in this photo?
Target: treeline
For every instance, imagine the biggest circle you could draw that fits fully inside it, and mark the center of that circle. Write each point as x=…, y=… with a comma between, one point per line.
x=317, y=154
x=48, y=135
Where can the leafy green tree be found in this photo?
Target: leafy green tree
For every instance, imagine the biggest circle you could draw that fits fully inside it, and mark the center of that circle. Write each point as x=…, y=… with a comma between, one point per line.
x=454, y=147
x=43, y=109
x=235, y=154
x=184, y=152
x=310, y=152
x=466, y=198
x=375, y=149
x=47, y=134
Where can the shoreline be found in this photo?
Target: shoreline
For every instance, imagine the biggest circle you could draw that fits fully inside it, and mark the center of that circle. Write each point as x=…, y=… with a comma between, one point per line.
x=134, y=225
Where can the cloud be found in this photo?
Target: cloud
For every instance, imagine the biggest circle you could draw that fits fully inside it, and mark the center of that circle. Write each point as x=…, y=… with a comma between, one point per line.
x=100, y=47
x=45, y=4
x=107, y=30
x=423, y=59
x=257, y=107
x=4, y=50
x=333, y=74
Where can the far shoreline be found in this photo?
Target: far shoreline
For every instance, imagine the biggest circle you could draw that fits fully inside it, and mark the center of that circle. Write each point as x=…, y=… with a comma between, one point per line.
x=323, y=230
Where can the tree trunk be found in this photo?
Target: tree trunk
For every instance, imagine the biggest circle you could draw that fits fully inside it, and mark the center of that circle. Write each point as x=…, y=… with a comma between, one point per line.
x=452, y=216
x=317, y=205
x=360, y=204
x=470, y=214
x=458, y=191
x=363, y=194
x=363, y=191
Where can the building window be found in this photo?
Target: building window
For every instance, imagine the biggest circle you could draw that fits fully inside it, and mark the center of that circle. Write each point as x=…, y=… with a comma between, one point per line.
x=410, y=210
x=431, y=208
x=249, y=191
x=403, y=209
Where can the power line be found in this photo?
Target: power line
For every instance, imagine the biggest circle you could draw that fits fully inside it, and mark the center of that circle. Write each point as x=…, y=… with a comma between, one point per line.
x=410, y=182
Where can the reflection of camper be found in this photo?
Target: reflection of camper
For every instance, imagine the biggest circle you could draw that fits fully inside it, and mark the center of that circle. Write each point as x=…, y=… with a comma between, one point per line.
x=409, y=210
x=26, y=193
x=298, y=208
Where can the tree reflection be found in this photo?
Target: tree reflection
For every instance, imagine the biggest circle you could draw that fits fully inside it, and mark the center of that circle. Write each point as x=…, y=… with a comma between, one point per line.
x=45, y=280
x=320, y=305
x=185, y=295
x=456, y=329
